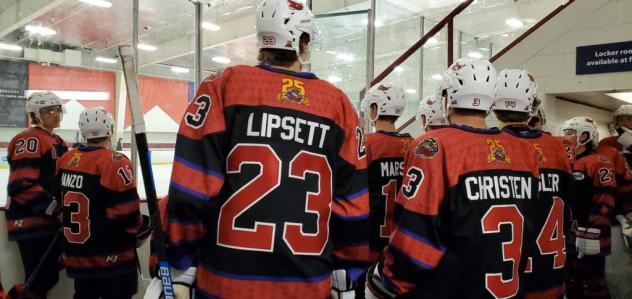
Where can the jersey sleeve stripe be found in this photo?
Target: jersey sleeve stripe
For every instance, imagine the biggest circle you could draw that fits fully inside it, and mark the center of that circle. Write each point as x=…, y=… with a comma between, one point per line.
x=358, y=253
x=418, y=250
x=355, y=195
x=395, y=286
x=190, y=192
x=98, y=261
x=33, y=222
x=346, y=209
x=179, y=232
x=199, y=168
x=26, y=172
x=196, y=180
x=350, y=218
x=122, y=209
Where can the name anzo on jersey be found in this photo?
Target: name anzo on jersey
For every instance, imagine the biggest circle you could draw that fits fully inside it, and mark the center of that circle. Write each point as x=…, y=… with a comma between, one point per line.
x=498, y=187
x=71, y=180
x=289, y=128
x=392, y=169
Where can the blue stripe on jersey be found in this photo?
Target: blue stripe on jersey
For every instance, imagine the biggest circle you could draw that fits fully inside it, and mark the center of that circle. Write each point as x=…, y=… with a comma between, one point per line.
x=353, y=196
x=350, y=218
x=191, y=192
x=182, y=263
x=198, y=167
x=201, y=294
x=417, y=262
x=270, y=278
x=419, y=238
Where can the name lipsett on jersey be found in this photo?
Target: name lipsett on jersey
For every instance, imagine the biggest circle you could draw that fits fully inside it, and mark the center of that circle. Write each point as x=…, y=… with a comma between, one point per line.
x=292, y=128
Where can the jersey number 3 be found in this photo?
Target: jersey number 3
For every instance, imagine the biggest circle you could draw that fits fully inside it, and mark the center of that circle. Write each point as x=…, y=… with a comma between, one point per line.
x=79, y=230
x=261, y=236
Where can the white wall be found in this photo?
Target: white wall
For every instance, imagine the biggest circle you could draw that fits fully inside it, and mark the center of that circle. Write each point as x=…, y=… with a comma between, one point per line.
x=549, y=54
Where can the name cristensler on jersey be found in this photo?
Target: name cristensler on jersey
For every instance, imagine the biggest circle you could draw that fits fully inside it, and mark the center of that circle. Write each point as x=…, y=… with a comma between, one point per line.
x=269, y=185
x=464, y=225
x=385, y=158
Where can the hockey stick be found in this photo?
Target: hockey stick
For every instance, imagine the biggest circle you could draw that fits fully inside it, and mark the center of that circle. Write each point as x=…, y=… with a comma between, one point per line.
x=129, y=70
x=29, y=282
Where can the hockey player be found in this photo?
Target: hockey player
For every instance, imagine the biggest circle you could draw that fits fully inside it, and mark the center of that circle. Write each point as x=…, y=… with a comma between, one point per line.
x=102, y=221
x=538, y=117
x=465, y=227
x=385, y=149
x=545, y=275
x=431, y=113
x=32, y=208
x=592, y=204
x=623, y=123
x=268, y=192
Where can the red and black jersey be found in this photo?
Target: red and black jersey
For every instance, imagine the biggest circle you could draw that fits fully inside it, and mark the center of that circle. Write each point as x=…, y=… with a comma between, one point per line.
x=385, y=159
x=32, y=155
x=101, y=216
x=465, y=227
x=269, y=186
x=623, y=173
x=545, y=273
x=592, y=199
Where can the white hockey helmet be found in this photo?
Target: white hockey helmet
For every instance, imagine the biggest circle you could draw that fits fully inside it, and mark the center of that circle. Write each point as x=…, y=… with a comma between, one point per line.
x=581, y=125
x=623, y=110
x=96, y=122
x=516, y=90
x=280, y=24
x=390, y=100
x=43, y=99
x=431, y=107
x=470, y=84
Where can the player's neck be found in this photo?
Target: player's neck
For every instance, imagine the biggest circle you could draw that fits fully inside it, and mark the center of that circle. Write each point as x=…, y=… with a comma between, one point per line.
x=296, y=67
x=468, y=120
x=49, y=130
x=386, y=126
x=512, y=124
x=104, y=144
x=580, y=149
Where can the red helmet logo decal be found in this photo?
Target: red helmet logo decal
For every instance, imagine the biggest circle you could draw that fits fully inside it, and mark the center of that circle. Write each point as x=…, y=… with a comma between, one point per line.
x=383, y=88
x=295, y=5
x=457, y=66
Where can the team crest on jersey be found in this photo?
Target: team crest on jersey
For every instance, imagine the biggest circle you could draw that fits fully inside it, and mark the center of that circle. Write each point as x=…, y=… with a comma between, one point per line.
x=116, y=156
x=293, y=91
x=538, y=150
x=76, y=157
x=405, y=144
x=427, y=148
x=497, y=153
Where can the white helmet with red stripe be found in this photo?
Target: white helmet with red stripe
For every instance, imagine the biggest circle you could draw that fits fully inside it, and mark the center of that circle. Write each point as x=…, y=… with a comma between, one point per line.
x=581, y=125
x=470, y=84
x=516, y=90
x=96, y=122
x=431, y=107
x=280, y=24
x=390, y=100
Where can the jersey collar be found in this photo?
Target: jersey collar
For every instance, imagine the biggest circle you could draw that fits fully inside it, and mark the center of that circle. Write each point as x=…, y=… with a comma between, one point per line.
x=304, y=75
x=493, y=130
x=86, y=148
x=521, y=131
x=394, y=134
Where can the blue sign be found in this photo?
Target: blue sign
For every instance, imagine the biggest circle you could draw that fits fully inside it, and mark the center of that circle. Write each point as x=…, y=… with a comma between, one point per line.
x=604, y=58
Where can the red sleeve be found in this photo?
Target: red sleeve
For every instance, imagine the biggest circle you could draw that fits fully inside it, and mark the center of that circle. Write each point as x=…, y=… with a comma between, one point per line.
x=414, y=250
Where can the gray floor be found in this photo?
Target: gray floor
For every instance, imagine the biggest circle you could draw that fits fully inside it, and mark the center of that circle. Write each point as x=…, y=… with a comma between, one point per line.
x=619, y=268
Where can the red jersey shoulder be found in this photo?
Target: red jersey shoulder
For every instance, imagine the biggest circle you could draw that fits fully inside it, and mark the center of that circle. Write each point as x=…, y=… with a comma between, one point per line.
x=610, y=141
x=551, y=152
x=31, y=143
x=381, y=145
x=116, y=171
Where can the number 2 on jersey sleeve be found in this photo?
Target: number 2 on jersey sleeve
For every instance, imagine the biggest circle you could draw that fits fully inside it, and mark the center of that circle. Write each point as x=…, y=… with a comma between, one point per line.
x=261, y=237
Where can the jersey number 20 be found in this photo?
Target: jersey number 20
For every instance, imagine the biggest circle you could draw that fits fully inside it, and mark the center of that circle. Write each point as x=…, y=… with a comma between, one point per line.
x=261, y=236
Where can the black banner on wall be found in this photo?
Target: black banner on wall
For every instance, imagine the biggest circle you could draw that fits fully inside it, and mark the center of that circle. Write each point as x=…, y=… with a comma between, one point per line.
x=13, y=85
x=604, y=58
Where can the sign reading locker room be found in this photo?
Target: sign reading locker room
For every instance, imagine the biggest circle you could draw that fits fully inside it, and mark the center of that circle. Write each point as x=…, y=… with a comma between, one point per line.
x=604, y=58
x=13, y=85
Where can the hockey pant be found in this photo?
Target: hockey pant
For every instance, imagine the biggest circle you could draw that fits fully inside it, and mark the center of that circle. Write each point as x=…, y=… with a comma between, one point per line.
x=119, y=287
x=31, y=251
x=586, y=278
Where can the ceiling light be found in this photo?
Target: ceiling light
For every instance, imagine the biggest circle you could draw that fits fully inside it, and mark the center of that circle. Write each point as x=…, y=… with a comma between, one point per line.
x=514, y=23
x=378, y=22
x=505, y=35
x=10, y=47
x=411, y=91
x=346, y=57
x=475, y=55
x=399, y=68
x=623, y=96
x=483, y=49
x=334, y=79
x=330, y=52
x=179, y=70
x=105, y=59
x=40, y=30
x=221, y=59
x=211, y=26
x=433, y=41
x=146, y=47
x=437, y=77
x=75, y=94
x=99, y=3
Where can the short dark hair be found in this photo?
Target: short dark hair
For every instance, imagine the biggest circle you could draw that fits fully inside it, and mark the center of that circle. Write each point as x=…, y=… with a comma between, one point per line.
x=470, y=112
x=280, y=57
x=512, y=116
x=34, y=119
x=388, y=118
x=98, y=140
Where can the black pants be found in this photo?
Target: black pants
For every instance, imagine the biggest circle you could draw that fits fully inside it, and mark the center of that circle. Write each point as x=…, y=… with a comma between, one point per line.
x=119, y=287
x=587, y=277
x=31, y=251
